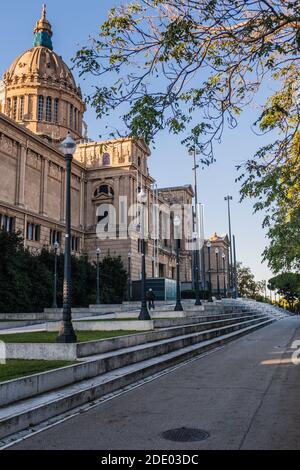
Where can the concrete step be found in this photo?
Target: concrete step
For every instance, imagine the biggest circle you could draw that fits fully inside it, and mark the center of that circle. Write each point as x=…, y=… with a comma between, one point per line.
x=190, y=319
x=178, y=333
x=121, y=371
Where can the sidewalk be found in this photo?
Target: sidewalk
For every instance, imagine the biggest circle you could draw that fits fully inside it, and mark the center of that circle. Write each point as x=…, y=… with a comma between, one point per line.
x=245, y=395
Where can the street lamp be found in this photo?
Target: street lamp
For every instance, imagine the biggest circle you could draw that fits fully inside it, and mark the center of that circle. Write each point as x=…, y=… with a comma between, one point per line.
x=66, y=332
x=144, y=313
x=210, y=299
x=129, y=294
x=224, y=264
x=98, y=277
x=194, y=152
x=228, y=199
x=177, y=225
x=218, y=279
x=54, y=305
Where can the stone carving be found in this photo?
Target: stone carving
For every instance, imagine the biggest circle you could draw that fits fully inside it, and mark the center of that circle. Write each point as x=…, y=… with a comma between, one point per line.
x=54, y=171
x=8, y=146
x=34, y=160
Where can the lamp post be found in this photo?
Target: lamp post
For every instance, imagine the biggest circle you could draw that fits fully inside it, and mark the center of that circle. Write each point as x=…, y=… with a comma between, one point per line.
x=144, y=313
x=194, y=152
x=224, y=264
x=177, y=224
x=210, y=299
x=66, y=333
x=235, y=280
x=54, y=304
x=228, y=199
x=129, y=276
x=98, y=277
x=218, y=279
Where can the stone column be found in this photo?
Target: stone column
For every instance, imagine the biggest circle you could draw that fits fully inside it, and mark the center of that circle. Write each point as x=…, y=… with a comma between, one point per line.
x=44, y=186
x=21, y=175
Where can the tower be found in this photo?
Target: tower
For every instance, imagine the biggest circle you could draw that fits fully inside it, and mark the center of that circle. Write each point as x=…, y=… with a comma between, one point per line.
x=40, y=90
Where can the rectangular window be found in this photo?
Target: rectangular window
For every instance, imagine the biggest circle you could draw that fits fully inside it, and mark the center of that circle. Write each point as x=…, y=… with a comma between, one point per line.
x=49, y=109
x=40, y=108
x=7, y=223
x=8, y=107
x=75, y=118
x=71, y=115
x=56, y=105
x=33, y=232
x=21, y=110
x=15, y=107
x=75, y=243
x=55, y=237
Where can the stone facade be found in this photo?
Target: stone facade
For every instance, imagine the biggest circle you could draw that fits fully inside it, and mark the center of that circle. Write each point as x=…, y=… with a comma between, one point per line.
x=32, y=196
x=39, y=103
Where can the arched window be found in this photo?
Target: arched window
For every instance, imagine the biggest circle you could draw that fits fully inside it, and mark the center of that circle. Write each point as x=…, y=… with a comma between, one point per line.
x=106, y=159
x=104, y=189
x=40, y=108
x=56, y=106
x=49, y=109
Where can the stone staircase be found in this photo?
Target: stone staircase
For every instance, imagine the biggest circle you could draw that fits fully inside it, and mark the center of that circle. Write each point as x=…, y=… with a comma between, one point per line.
x=109, y=365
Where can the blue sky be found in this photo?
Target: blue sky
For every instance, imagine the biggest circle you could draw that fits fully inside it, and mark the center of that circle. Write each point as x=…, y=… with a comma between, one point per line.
x=73, y=21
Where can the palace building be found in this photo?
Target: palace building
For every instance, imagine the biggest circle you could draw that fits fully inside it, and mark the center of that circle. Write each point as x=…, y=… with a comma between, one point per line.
x=40, y=103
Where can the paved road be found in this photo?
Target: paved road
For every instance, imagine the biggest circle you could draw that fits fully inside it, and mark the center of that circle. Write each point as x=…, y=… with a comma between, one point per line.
x=245, y=395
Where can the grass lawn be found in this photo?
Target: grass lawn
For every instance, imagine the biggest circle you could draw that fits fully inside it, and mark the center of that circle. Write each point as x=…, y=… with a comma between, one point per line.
x=50, y=337
x=15, y=368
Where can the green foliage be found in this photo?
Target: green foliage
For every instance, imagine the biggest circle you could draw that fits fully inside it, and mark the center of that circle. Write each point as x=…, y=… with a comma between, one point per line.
x=113, y=280
x=191, y=68
x=288, y=286
x=26, y=279
x=247, y=285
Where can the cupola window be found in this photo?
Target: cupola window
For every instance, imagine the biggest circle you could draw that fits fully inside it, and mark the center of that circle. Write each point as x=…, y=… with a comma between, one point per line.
x=21, y=111
x=71, y=115
x=15, y=107
x=56, y=106
x=8, y=106
x=49, y=109
x=40, y=108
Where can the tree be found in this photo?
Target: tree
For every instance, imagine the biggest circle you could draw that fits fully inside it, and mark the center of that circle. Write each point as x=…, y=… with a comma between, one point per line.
x=247, y=286
x=288, y=286
x=191, y=67
x=26, y=279
x=113, y=280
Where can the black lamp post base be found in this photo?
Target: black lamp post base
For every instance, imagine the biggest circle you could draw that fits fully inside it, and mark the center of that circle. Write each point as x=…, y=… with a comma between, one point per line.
x=66, y=335
x=178, y=307
x=198, y=302
x=144, y=313
x=210, y=299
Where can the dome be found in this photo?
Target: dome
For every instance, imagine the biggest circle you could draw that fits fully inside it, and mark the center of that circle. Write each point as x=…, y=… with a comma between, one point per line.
x=40, y=63
x=40, y=90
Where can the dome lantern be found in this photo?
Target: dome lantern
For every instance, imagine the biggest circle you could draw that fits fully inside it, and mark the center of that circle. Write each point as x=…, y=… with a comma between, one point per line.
x=43, y=32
